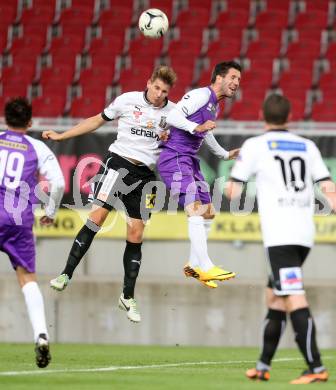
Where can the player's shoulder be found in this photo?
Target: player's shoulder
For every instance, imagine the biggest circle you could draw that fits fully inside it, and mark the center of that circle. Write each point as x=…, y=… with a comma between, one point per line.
x=130, y=97
x=169, y=106
x=39, y=146
x=199, y=93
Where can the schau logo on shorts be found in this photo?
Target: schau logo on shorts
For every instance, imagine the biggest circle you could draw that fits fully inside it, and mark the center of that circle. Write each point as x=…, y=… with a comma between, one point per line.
x=291, y=278
x=150, y=201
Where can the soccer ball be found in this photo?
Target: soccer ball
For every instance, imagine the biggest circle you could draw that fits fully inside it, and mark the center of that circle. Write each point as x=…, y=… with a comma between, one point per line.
x=153, y=23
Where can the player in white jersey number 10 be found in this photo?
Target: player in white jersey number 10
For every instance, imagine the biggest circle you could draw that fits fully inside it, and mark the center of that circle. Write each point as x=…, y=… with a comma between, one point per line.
x=286, y=167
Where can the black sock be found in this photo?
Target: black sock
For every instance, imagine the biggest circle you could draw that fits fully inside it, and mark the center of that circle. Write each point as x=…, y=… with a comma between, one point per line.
x=305, y=336
x=132, y=262
x=80, y=246
x=275, y=323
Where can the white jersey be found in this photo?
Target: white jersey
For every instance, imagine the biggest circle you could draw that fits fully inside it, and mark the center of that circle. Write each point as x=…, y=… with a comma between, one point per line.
x=139, y=126
x=286, y=167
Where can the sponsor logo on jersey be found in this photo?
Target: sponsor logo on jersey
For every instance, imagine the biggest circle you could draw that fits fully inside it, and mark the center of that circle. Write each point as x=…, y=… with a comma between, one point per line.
x=150, y=124
x=13, y=145
x=212, y=108
x=287, y=146
x=144, y=133
x=137, y=115
x=163, y=122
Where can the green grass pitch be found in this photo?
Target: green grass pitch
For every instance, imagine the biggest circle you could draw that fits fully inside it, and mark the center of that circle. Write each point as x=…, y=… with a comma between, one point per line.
x=100, y=367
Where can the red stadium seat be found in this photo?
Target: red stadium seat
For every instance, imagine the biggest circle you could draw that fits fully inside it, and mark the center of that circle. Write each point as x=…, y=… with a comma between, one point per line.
x=233, y=18
x=49, y=106
x=320, y=5
x=223, y=50
x=118, y=15
x=81, y=14
x=87, y=106
x=298, y=109
x=102, y=73
x=324, y=112
x=264, y=48
x=135, y=78
x=8, y=12
x=302, y=50
x=31, y=43
x=275, y=19
x=107, y=47
x=14, y=87
x=275, y=5
x=57, y=74
x=23, y=73
x=246, y=109
x=141, y=45
x=38, y=15
x=70, y=43
x=314, y=19
x=185, y=50
x=239, y=4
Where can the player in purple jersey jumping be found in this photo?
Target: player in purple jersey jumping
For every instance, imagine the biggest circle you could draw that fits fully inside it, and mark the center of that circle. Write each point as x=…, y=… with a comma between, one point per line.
x=191, y=123
x=22, y=158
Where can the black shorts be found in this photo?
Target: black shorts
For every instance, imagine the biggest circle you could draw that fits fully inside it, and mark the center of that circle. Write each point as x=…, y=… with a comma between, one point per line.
x=122, y=185
x=285, y=262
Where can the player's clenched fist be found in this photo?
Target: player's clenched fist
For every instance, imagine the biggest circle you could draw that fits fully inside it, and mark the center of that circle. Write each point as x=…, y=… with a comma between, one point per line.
x=50, y=134
x=206, y=126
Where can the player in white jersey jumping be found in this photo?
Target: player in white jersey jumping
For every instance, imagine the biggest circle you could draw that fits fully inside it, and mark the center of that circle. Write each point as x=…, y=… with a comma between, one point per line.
x=22, y=158
x=286, y=167
x=128, y=166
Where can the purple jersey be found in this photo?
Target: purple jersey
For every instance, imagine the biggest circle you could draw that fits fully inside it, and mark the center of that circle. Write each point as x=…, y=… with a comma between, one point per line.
x=21, y=159
x=199, y=106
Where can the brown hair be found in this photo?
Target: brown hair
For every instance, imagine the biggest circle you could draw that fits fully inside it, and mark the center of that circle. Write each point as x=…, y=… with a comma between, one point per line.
x=276, y=109
x=164, y=73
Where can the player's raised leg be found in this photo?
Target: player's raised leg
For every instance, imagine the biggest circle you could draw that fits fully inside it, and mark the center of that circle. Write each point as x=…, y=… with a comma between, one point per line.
x=80, y=246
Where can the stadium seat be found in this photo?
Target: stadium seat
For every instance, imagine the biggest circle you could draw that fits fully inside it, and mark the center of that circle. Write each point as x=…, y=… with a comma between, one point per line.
x=142, y=45
x=264, y=48
x=275, y=19
x=117, y=15
x=21, y=72
x=313, y=19
x=49, y=106
x=41, y=15
x=233, y=18
x=246, y=109
x=275, y=5
x=324, y=111
x=223, y=50
x=164, y=5
x=102, y=73
x=87, y=106
x=303, y=50
x=8, y=12
x=57, y=74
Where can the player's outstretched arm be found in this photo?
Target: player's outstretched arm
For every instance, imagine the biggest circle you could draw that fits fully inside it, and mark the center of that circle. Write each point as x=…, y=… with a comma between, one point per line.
x=328, y=188
x=87, y=126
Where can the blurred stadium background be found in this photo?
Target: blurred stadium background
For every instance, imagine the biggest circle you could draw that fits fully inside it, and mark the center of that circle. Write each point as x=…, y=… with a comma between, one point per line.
x=71, y=58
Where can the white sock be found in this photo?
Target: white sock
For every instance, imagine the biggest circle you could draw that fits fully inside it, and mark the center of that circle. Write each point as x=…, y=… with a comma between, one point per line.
x=198, y=241
x=207, y=226
x=193, y=260
x=35, y=308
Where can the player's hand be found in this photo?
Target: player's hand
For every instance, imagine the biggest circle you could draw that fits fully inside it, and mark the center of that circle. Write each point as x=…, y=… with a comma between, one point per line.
x=233, y=154
x=50, y=134
x=46, y=221
x=206, y=126
x=164, y=136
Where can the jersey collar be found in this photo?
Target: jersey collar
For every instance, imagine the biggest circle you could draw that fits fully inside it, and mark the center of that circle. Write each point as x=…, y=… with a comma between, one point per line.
x=148, y=102
x=277, y=131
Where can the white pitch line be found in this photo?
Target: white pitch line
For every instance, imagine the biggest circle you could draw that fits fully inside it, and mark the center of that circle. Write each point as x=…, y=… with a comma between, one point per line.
x=117, y=368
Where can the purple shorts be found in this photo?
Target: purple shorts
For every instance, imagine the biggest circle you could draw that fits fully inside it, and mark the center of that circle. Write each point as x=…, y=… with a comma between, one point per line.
x=183, y=177
x=19, y=244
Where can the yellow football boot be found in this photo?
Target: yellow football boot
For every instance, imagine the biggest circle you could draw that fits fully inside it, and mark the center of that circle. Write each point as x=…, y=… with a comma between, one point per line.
x=216, y=273
x=195, y=272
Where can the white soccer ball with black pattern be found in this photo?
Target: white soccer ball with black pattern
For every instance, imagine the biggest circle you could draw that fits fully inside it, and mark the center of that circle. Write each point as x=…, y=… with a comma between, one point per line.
x=153, y=23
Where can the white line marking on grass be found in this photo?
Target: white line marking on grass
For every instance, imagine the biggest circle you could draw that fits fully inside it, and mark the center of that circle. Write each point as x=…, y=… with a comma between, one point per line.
x=118, y=368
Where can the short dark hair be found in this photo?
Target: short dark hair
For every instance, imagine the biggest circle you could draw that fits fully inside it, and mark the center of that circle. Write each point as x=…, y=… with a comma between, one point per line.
x=276, y=109
x=18, y=112
x=164, y=73
x=222, y=68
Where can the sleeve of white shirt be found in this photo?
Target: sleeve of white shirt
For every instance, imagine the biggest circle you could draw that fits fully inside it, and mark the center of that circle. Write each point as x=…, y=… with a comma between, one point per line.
x=48, y=166
x=318, y=168
x=215, y=147
x=188, y=105
x=115, y=109
x=245, y=165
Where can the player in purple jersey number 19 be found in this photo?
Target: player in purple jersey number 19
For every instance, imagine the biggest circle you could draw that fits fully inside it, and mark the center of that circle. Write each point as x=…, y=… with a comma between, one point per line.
x=22, y=158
